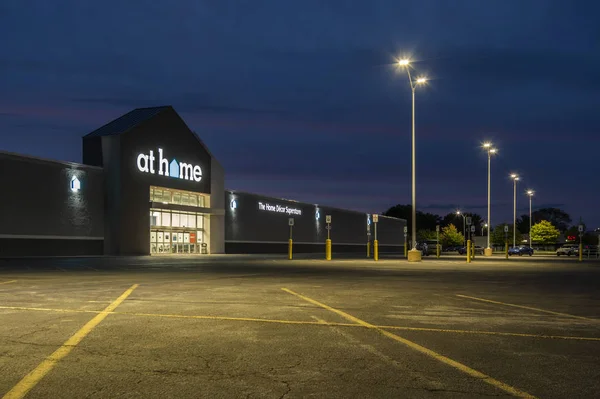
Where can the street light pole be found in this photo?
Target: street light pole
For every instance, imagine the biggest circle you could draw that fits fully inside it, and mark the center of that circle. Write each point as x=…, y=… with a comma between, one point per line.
x=414, y=255
x=530, y=194
x=464, y=226
x=414, y=188
x=490, y=151
x=515, y=178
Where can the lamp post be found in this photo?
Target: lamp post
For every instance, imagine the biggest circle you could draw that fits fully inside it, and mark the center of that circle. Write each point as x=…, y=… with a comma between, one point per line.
x=530, y=194
x=464, y=226
x=515, y=178
x=414, y=255
x=490, y=151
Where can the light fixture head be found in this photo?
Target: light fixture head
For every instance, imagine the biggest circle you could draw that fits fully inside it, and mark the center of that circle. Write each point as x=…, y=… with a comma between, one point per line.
x=75, y=184
x=404, y=62
x=487, y=145
x=514, y=176
x=530, y=193
x=421, y=80
x=493, y=150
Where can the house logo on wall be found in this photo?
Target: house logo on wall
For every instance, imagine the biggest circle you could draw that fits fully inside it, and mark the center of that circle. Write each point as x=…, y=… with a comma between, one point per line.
x=177, y=170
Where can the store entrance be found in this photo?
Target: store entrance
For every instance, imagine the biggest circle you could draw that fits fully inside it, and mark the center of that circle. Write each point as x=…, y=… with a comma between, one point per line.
x=180, y=241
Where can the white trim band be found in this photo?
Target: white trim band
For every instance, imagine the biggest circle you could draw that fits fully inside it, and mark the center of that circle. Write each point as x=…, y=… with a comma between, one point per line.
x=43, y=237
x=305, y=243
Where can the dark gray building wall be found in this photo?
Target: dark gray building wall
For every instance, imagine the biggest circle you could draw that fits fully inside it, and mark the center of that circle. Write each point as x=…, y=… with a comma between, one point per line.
x=217, y=204
x=41, y=215
x=249, y=228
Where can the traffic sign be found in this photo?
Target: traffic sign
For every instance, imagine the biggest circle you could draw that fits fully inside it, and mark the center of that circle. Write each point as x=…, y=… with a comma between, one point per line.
x=581, y=228
x=291, y=221
x=469, y=220
x=328, y=227
x=506, y=229
x=437, y=228
x=405, y=230
x=472, y=229
x=328, y=219
x=375, y=218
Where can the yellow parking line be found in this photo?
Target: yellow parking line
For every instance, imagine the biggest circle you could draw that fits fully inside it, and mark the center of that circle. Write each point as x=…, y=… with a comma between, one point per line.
x=446, y=360
x=8, y=282
x=175, y=316
x=302, y=322
x=526, y=307
x=31, y=380
x=475, y=332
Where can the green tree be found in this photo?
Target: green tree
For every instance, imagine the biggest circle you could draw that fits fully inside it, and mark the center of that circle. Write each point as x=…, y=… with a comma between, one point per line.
x=544, y=233
x=497, y=235
x=557, y=217
x=425, y=234
x=450, y=236
x=523, y=224
x=425, y=221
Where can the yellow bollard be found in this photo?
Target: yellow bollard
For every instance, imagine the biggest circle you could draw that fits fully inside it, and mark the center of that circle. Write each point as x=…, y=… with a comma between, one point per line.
x=376, y=250
x=506, y=250
x=328, y=249
x=405, y=248
x=368, y=249
x=580, y=251
x=290, y=248
x=468, y=251
x=438, y=250
x=473, y=251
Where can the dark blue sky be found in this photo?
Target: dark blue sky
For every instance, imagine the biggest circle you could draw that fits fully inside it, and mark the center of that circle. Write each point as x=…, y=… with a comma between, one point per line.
x=302, y=100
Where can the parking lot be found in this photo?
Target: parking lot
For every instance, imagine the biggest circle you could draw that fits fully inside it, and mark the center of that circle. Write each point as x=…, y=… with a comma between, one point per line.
x=267, y=327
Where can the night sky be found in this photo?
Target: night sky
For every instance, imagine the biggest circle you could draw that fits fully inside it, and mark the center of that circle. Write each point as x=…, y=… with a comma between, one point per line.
x=302, y=100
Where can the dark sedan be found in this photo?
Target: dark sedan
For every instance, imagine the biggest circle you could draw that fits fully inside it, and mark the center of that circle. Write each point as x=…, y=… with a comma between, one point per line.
x=477, y=250
x=521, y=250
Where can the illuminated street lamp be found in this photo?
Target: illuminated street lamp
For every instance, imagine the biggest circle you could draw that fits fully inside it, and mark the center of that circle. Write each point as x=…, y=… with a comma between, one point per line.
x=414, y=255
x=530, y=194
x=485, y=226
x=490, y=151
x=464, y=226
x=515, y=178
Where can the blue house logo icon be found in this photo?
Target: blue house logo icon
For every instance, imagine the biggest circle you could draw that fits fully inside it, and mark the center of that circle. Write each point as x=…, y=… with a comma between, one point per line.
x=174, y=168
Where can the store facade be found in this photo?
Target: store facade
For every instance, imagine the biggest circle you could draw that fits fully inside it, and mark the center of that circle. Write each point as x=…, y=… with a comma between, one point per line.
x=148, y=185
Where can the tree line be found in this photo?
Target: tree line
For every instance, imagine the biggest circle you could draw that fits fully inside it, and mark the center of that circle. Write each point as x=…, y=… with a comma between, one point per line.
x=547, y=226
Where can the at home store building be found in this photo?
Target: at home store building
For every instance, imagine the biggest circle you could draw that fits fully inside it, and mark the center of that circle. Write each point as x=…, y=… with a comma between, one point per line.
x=149, y=185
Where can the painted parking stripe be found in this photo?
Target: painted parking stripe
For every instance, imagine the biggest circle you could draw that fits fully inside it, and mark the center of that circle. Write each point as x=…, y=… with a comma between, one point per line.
x=304, y=322
x=526, y=307
x=441, y=358
x=8, y=282
x=35, y=376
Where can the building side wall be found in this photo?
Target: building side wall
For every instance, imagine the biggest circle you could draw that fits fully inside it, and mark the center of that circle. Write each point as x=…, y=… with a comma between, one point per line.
x=40, y=214
x=217, y=202
x=255, y=223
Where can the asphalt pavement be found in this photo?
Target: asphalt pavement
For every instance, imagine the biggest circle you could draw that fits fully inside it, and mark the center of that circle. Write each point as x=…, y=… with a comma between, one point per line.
x=267, y=327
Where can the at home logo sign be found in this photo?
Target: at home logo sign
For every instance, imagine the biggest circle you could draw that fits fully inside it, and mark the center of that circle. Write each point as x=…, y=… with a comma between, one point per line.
x=178, y=170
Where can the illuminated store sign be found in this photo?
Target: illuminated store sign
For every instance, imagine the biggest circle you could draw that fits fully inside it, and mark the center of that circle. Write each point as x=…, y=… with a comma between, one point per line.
x=263, y=206
x=178, y=170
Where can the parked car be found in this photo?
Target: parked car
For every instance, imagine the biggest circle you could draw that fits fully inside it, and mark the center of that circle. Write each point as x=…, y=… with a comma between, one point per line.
x=521, y=250
x=478, y=250
x=568, y=249
x=427, y=247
